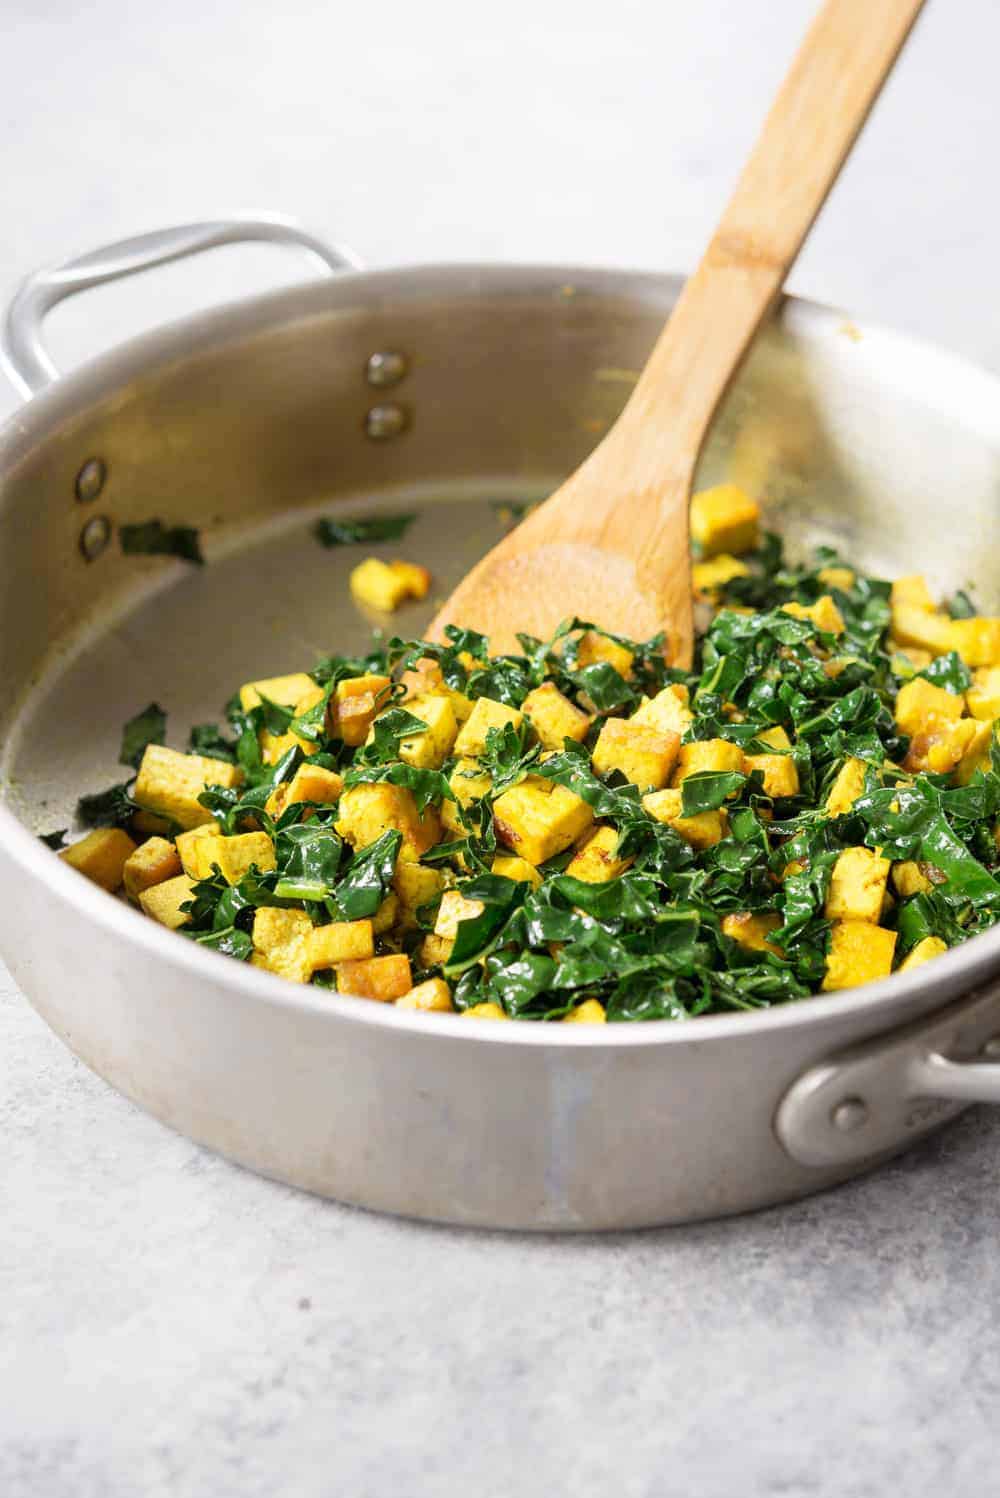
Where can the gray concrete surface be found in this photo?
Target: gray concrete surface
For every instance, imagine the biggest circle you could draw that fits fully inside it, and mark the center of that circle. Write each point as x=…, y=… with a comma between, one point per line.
x=170, y=1325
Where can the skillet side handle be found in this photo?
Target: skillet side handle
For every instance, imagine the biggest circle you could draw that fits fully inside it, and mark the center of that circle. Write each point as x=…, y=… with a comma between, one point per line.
x=21, y=344
x=876, y=1096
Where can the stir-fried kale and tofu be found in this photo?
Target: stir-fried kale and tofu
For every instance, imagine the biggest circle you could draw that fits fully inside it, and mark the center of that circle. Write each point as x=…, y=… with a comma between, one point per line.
x=582, y=832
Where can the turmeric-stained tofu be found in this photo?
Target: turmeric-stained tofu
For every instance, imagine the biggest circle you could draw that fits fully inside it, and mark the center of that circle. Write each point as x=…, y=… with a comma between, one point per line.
x=163, y=901
x=553, y=717
x=387, y=914
x=590, y=1012
x=385, y=585
x=151, y=863
x=310, y=784
x=286, y=691
x=859, y=953
x=486, y=714
x=983, y=696
x=282, y=941
x=416, y=579
x=434, y=951
x=593, y=649
x=707, y=754
x=341, y=941
x=643, y=754
x=751, y=929
x=233, y=856
x=922, y=706
x=537, y=826
x=976, y=752
x=430, y=997
x=416, y=885
x=454, y=909
x=383, y=978
x=710, y=578
x=926, y=631
x=847, y=787
x=366, y=811
x=824, y=613
x=857, y=886
x=843, y=578
x=274, y=746
x=101, y=856
x=186, y=845
x=668, y=711
x=977, y=641
x=429, y=750
x=509, y=866
x=597, y=861
x=484, y=1011
x=909, y=879
x=724, y=519
x=426, y=679
x=354, y=705
x=931, y=946
x=781, y=776
x=944, y=746
x=170, y=783
x=469, y=781
x=912, y=592
x=703, y=830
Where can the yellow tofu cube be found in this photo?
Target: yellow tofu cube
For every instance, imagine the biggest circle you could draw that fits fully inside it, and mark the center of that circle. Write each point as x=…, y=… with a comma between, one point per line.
x=378, y=585
x=310, y=784
x=703, y=830
x=484, y=1011
x=387, y=914
x=163, y=901
x=509, y=866
x=486, y=714
x=453, y=910
x=537, y=826
x=354, y=705
x=857, y=886
x=781, y=776
x=751, y=930
x=596, y=860
x=425, y=679
x=233, y=856
x=824, y=613
x=274, y=746
x=282, y=942
x=382, y=978
x=434, y=950
x=707, y=754
x=340, y=941
x=977, y=641
x=909, y=879
x=912, y=592
x=366, y=811
x=926, y=631
x=469, y=782
x=921, y=706
x=431, y=997
x=976, y=754
x=931, y=946
x=592, y=649
x=847, y=787
x=416, y=579
x=983, y=696
x=170, y=783
x=428, y=751
x=837, y=577
x=590, y=1012
x=668, y=711
x=101, y=856
x=286, y=691
x=643, y=754
x=186, y=845
x=724, y=519
x=859, y=953
x=710, y=578
x=151, y=863
x=553, y=717
x=416, y=885
x=943, y=747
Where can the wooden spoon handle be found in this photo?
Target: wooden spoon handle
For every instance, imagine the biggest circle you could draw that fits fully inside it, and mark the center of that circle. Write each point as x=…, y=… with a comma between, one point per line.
x=833, y=82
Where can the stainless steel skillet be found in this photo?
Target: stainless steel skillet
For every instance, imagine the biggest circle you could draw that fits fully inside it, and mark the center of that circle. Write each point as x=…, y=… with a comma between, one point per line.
x=437, y=389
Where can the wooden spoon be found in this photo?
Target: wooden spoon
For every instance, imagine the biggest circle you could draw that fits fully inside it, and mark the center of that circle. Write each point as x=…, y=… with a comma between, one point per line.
x=611, y=545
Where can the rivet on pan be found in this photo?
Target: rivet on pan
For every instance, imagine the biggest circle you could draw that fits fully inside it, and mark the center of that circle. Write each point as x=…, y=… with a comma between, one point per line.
x=383, y=422
x=992, y=1048
x=90, y=480
x=849, y=1115
x=386, y=368
x=95, y=536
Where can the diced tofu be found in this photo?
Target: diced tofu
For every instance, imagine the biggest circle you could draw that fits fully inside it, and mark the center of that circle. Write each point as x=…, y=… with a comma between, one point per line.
x=286, y=691
x=921, y=706
x=435, y=950
x=426, y=680
x=170, y=783
x=383, y=978
x=232, y=855
x=596, y=861
x=186, y=844
x=537, y=826
x=909, y=879
x=643, y=754
x=417, y=579
x=847, y=787
x=590, y=1012
x=469, y=781
x=353, y=707
x=145, y=824
x=857, y=886
x=151, y=863
x=163, y=901
x=341, y=941
x=553, y=717
x=907, y=658
x=668, y=711
x=101, y=856
x=416, y=885
x=976, y=755
x=387, y=914
x=931, y=946
x=709, y=578
x=837, y=577
x=824, y=613
x=593, y=648
x=509, y=866
x=282, y=942
x=428, y=751
x=977, y=641
x=944, y=746
x=781, y=776
x=366, y=811
x=431, y=997
x=310, y=784
x=751, y=930
x=453, y=910
x=912, y=592
x=703, y=830
x=859, y=953
x=776, y=737
x=486, y=714
x=724, y=519
x=927, y=631
x=385, y=585
x=274, y=746
x=485, y=1011
x=983, y=696
x=707, y=754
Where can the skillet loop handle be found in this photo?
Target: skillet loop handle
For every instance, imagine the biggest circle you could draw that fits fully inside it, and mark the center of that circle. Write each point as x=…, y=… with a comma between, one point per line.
x=21, y=342
x=882, y=1093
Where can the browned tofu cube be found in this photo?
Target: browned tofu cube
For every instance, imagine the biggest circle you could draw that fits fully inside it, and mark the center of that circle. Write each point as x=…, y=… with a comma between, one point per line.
x=486, y=714
x=752, y=929
x=707, y=754
x=859, y=953
x=553, y=717
x=537, y=826
x=282, y=941
x=366, y=811
x=643, y=754
x=101, y=856
x=340, y=941
x=857, y=886
x=597, y=859
x=151, y=863
x=593, y=649
x=381, y=978
x=703, y=830
x=170, y=783
x=431, y=997
x=354, y=705
x=163, y=901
